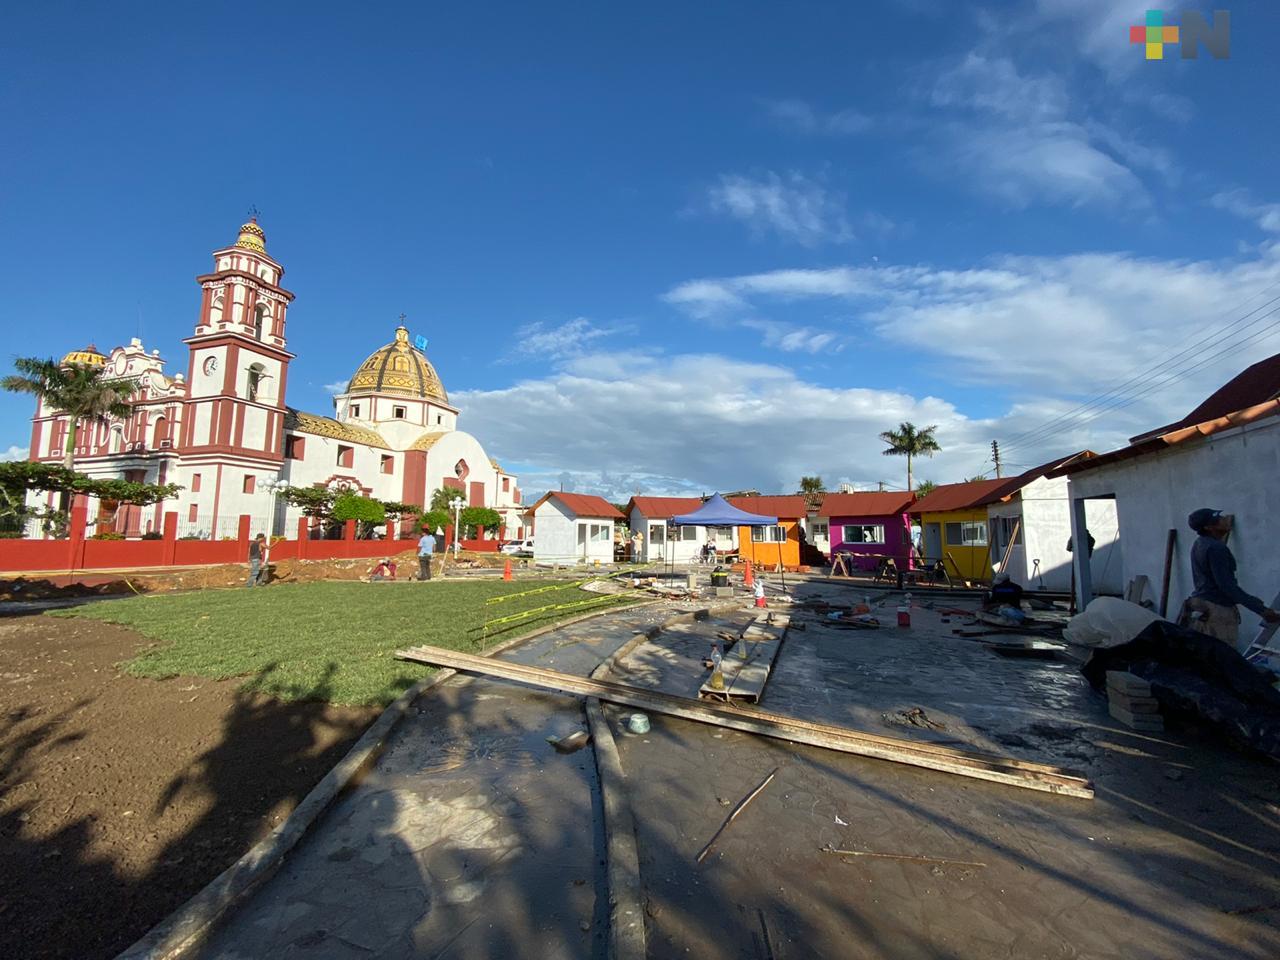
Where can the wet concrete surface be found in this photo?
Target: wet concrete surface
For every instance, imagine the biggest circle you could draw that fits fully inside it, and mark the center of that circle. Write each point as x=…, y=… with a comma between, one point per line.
x=471, y=838
x=1183, y=831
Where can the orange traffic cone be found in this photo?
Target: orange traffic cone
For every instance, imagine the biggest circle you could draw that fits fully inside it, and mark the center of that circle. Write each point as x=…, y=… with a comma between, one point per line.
x=506, y=570
x=748, y=579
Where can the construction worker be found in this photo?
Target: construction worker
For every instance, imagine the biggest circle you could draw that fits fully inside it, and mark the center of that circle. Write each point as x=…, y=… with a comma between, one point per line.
x=1211, y=608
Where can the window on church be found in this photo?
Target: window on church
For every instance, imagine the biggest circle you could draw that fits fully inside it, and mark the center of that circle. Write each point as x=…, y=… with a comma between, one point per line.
x=399, y=413
x=192, y=512
x=388, y=464
x=400, y=365
x=439, y=419
x=249, y=482
x=294, y=448
x=355, y=410
x=506, y=484
x=195, y=483
x=346, y=456
x=256, y=372
x=259, y=319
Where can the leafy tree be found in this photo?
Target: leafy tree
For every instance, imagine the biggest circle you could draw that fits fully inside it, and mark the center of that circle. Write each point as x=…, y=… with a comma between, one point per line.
x=396, y=510
x=443, y=499
x=434, y=520
x=974, y=479
x=812, y=485
x=910, y=442
x=925, y=488
x=314, y=502
x=19, y=477
x=475, y=517
x=367, y=512
x=81, y=391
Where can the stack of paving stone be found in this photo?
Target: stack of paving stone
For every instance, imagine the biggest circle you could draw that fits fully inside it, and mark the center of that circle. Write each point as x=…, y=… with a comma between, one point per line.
x=1130, y=701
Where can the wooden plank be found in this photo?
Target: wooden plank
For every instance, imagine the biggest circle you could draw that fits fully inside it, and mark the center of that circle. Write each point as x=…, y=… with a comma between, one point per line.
x=745, y=669
x=990, y=767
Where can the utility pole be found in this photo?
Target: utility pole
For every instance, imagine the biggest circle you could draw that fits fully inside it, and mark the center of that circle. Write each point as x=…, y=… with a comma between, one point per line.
x=995, y=455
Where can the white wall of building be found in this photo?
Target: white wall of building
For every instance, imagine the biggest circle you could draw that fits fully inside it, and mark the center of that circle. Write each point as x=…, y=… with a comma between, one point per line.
x=1045, y=510
x=1234, y=471
x=562, y=537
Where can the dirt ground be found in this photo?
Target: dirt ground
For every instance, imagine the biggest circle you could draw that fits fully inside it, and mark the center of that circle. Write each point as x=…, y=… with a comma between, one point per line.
x=63, y=586
x=122, y=797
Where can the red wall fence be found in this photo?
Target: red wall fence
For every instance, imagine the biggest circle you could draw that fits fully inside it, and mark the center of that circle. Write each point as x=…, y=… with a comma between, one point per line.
x=79, y=552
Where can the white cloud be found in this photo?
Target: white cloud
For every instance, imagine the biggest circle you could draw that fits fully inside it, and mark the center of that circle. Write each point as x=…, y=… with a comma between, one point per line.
x=697, y=422
x=1100, y=29
x=15, y=452
x=794, y=207
x=1058, y=329
x=337, y=387
x=558, y=343
x=802, y=117
x=1013, y=136
x=790, y=338
x=1241, y=204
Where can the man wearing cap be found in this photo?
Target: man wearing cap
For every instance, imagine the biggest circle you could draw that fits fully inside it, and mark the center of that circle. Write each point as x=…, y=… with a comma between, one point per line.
x=1211, y=608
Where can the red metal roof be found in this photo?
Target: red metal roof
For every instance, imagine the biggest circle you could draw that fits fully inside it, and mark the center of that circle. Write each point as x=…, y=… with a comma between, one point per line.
x=582, y=505
x=662, y=508
x=964, y=496
x=1250, y=387
x=873, y=504
x=784, y=508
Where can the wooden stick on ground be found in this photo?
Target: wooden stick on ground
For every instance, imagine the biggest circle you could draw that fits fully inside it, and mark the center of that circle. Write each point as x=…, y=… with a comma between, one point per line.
x=1019, y=773
x=903, y=856
x=742, y=804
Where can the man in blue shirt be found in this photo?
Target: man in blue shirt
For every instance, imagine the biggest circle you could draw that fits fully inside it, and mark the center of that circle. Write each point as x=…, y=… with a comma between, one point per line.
x=1211, y=608
x=426, y=547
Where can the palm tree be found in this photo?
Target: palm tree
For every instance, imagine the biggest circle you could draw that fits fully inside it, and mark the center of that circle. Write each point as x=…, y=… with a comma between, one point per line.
x=909, y=442
x=812, y=485
x=81, y=391
x=925, y=488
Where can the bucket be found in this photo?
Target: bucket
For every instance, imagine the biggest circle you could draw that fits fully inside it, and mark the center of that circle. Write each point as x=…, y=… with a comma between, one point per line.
x=904, y=616
x=638, y=723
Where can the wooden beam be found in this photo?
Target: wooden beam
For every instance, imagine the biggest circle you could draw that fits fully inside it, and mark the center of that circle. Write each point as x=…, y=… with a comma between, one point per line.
x=1018, y=773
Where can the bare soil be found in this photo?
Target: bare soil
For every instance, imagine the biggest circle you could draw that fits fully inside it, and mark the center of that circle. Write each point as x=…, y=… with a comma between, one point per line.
x=121, y=797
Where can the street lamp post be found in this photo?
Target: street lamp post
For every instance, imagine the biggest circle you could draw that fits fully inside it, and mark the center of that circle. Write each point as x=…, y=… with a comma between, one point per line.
x=457, y=525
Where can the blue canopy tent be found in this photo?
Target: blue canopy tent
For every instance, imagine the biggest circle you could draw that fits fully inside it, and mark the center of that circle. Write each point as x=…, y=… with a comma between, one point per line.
x=719, y=512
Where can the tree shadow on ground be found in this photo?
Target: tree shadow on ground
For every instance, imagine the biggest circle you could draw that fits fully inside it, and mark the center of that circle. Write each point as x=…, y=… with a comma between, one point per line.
x=76, y=893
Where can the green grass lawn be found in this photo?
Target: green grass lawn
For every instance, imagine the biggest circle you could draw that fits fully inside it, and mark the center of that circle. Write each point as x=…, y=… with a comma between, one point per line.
x=322, y=641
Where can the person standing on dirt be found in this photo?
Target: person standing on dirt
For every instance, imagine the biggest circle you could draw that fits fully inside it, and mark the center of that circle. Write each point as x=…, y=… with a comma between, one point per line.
x=1211, y=608
x=257, y=554
x=426, y=547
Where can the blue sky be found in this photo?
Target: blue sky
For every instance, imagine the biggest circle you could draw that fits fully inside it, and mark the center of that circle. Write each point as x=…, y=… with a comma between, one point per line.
x=663, y=247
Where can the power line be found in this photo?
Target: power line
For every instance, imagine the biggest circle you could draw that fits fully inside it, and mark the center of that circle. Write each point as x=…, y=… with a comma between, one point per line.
x=1145, y=376
x=1153, y=378
x=1121, y=402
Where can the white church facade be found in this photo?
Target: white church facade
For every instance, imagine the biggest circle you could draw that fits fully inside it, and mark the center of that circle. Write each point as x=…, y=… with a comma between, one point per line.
x=224, y=432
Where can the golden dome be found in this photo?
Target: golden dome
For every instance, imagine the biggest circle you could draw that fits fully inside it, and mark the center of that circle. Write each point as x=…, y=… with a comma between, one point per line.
x=252, y=237
x=398, y=368
x=88, y=357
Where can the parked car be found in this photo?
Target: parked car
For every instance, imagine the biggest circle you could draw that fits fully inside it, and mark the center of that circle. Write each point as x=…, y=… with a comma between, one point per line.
x=518, y=548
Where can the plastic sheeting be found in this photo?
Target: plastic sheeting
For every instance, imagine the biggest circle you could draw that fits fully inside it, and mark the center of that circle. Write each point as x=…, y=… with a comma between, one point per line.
x=1107, y=622
x=1191, y=673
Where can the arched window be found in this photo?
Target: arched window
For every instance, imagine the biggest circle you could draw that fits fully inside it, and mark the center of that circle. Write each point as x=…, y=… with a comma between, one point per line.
x=162, y=432
x=256, y=373
x=259, y=319
x=400, y=365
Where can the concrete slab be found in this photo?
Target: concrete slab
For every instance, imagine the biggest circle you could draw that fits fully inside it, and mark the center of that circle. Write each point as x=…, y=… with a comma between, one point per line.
x=1149, y=869
x=471, y=837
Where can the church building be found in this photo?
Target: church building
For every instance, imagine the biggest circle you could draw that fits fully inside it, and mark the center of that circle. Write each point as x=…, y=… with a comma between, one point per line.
x=224, y=431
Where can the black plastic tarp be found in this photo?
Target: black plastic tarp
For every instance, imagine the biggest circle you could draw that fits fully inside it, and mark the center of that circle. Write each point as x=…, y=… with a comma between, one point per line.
x=1191, y=673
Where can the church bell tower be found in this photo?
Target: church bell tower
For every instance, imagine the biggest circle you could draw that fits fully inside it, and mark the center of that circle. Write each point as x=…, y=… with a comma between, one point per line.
x=238, y=365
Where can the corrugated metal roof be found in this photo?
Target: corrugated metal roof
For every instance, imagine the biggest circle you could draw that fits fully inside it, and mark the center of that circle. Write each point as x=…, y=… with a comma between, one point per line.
x=784, y=508
x=661, y=508
x=582, y=505
x=870, y=504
